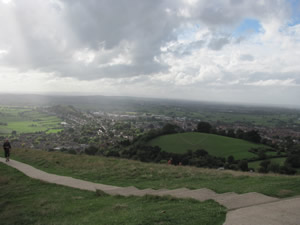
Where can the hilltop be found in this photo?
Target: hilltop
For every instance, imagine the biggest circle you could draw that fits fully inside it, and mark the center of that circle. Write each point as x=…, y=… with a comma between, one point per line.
x=35, y=202
x=98, y=208
x=123, y=172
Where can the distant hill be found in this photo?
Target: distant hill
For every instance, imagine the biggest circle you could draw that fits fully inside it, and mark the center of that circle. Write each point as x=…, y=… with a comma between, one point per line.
x=214, y=144
x=64, y=110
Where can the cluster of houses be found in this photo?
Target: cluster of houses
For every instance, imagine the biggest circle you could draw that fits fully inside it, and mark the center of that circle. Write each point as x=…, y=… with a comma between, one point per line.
x=81, y=129
x=274, y=135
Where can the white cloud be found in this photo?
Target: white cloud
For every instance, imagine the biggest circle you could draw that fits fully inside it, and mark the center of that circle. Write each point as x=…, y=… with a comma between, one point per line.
x=140, y=47
x=7, y=1
x=287, y=82
x=87, y=56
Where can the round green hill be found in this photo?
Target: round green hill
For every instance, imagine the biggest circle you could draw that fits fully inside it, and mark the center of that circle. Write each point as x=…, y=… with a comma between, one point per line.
x=215, y=145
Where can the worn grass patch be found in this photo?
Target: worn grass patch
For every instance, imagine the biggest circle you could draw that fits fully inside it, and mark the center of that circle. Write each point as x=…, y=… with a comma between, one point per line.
x=27, y=201
x=122, y=172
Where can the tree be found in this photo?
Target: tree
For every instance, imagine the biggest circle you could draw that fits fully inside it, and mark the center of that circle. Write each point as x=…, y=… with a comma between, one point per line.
x=170, y=129
x=230, y=133
x=240, y=134
x=243, y=165
x=200, y=152
x=261, y=154
x=252, y=136
x=274, y=167
x=204, y=127
x=91, y=150
x=230, y=159
x=286, y=169
x=264, y=166
x=293, y=158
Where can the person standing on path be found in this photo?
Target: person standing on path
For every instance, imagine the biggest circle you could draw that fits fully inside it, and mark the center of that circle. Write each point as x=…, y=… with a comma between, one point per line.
x=6, y=147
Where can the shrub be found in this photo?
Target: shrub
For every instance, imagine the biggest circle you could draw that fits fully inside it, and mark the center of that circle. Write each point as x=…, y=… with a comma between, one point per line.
x=204, y=127
x=243, y=165
x=286, y=169
x=274, y=167
x=293, y=160
x=264, y=166
x=230, y=159
x=91, y=150
x=72, y=151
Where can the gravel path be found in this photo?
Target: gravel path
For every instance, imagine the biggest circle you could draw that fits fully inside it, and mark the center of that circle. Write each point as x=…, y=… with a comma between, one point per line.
x=244, y=209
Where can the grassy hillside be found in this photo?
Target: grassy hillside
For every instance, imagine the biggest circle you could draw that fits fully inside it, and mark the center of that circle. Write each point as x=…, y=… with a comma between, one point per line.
x=29, y=202
x=122, y=172
x=215, y=145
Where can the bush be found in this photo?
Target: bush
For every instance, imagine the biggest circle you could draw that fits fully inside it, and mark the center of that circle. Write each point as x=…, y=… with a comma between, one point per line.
x=274, y=167
x=264, y=166
x=293, y=160
x=286, y=169
x=72, y=151
x=261, y=154
x=233, y=167
x=243, y=165
x=230, y=159
x=171, y=129
x=204, y=127
x=91, y=150
x=252, y=136
x=263, y=170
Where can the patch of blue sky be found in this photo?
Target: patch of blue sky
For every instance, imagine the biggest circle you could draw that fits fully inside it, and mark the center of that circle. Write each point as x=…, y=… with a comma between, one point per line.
x=246, y=27
x=295, y=17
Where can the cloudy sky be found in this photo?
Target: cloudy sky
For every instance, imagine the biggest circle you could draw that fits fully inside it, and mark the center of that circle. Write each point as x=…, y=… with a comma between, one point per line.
x=214, y=50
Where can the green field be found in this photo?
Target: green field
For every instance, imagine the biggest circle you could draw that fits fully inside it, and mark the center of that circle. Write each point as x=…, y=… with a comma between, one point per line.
x=26, y=120
x=255, y=165
x=123, y=173
x=214, y=144
x=28, y=202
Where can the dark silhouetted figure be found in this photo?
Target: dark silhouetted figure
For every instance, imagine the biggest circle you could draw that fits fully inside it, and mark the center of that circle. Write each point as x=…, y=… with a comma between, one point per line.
x=6, y=147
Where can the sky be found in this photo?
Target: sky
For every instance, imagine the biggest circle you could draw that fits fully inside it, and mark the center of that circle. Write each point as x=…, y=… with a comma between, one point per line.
x=240, y=51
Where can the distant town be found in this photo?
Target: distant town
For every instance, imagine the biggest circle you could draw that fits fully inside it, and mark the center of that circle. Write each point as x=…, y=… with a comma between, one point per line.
x=80, y=129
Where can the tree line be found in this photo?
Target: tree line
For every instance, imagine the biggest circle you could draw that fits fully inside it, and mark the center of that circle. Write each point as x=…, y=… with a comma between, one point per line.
x=139, y=150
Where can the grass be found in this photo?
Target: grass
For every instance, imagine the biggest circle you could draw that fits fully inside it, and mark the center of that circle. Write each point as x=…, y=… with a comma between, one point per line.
x=27, y=201
x=51, y=131
x=216, y=145
x=26, y=120
x=256, y=164
x=121, y=172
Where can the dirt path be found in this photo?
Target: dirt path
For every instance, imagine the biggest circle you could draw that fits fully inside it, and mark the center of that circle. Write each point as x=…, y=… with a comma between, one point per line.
x=250, y=208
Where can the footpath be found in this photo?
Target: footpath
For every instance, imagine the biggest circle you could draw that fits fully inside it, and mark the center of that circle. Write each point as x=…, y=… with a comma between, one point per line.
x=243, y=209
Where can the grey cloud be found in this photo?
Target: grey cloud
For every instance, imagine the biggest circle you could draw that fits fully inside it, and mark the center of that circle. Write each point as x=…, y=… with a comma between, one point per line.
x=259, y=76
x=143, y=23
x=196, y=45
x=246, y=57
x=43, y=35
x=215, y=13
x=218, y=43
x=46, y=36
x=187, y=49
